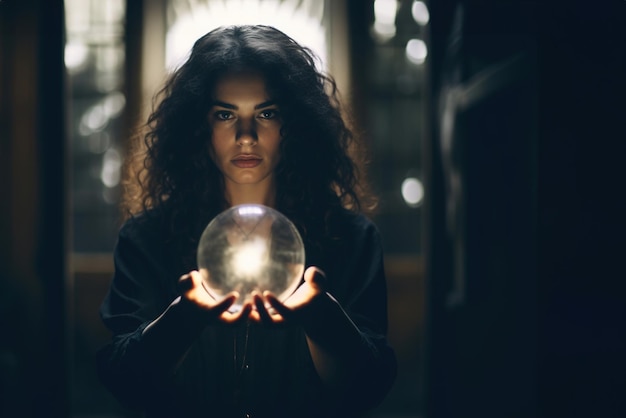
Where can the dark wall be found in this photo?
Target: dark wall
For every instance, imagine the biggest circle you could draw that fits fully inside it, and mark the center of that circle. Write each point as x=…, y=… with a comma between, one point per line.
x=481, y=212
x=581, y=158
x=33, y=216
x=526, y=209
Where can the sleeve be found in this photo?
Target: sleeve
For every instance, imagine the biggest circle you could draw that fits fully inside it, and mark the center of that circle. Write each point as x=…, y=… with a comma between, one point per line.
x=363, y=295
x=136, y=297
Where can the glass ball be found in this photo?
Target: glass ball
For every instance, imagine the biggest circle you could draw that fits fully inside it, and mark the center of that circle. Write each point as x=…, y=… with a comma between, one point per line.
x=250, y=247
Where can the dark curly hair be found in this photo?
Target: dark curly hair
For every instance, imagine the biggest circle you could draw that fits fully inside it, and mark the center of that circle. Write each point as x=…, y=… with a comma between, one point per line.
x=320, y=168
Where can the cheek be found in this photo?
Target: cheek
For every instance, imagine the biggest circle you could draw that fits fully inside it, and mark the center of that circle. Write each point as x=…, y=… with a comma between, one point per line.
x=273, y=144
x=218, y=143
x=215, y=150
x=271, y=134
x=277, y=151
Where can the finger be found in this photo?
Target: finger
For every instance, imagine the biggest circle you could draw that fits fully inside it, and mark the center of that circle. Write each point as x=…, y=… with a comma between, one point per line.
x=278, y=306
x=239, y=316
x=259, y=304
x=254, y=315
x=225, y=303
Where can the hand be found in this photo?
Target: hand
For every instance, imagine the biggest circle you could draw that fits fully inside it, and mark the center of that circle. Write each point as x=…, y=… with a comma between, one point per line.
x=268, y=309
x=194, y=294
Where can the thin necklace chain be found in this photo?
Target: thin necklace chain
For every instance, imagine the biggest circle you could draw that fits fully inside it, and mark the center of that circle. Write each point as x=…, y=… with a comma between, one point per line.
x=239, y=369
x=245, y=236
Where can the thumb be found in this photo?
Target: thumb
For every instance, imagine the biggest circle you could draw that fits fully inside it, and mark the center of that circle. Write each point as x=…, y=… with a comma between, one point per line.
x=189, y=281
x=315, y=276
x=185, y=283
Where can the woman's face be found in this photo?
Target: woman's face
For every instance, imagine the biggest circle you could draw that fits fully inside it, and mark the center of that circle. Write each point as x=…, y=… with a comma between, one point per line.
x=245, y=125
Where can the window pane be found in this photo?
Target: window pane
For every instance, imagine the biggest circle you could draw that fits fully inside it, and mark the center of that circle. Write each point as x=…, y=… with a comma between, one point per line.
x=303, y=20
x=94, y=57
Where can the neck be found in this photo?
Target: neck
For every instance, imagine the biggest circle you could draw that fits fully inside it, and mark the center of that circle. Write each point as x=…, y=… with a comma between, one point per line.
x=262, y=194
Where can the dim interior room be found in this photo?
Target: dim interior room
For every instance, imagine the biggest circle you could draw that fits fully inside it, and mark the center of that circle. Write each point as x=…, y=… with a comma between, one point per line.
x=495, y=147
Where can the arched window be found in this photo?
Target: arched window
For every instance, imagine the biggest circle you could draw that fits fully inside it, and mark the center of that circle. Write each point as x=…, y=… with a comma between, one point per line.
x=187, y=21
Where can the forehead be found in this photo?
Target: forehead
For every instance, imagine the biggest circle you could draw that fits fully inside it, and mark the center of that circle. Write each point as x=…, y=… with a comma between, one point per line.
x=241, y=84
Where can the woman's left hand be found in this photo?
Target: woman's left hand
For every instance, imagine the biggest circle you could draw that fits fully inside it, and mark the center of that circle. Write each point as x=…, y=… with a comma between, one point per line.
x=269, y=310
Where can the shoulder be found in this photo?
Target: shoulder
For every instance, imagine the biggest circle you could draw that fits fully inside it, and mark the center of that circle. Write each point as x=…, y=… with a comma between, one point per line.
x=146, y=227
x=345, y=223
x=353, y=233
x=145, y=250
x=353, y=256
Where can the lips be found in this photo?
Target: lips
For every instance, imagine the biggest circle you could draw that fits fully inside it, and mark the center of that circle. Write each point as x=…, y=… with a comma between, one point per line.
x=246, y=161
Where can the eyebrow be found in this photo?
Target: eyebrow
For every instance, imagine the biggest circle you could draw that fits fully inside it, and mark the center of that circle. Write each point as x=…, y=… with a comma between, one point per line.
x=233, y=107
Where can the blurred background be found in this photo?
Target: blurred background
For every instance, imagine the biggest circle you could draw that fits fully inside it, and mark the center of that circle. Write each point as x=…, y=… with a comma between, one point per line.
x=497, y=146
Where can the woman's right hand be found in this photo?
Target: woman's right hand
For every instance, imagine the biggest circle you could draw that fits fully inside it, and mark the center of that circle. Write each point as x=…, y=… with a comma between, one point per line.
x=193, y=293
x=169, y=337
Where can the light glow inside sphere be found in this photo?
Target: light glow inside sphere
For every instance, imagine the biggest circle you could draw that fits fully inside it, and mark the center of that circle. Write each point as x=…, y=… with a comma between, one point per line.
x=250, y=247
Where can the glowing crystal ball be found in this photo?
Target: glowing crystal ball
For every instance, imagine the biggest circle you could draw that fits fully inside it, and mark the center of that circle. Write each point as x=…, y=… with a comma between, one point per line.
x=250, y=247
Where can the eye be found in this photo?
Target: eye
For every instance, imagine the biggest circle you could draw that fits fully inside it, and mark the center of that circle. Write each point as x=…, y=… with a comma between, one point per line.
x=223, y=115
x=268, y=114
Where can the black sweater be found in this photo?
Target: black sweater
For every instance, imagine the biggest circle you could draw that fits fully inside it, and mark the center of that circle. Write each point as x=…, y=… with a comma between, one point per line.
x=245, y=369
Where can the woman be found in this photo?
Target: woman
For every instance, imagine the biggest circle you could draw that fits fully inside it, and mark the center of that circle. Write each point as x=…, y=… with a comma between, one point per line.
x=247, y=119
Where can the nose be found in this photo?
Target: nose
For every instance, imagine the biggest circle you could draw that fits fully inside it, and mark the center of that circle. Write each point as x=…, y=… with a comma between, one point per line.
x=246, y=133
